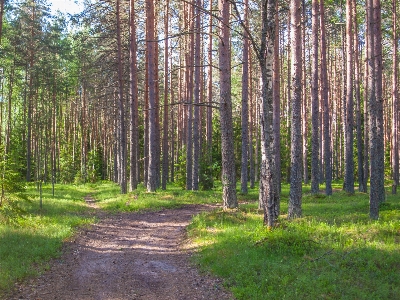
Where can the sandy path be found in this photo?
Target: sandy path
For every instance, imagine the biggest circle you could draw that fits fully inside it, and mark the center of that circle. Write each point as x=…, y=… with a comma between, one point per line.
x=127, y=256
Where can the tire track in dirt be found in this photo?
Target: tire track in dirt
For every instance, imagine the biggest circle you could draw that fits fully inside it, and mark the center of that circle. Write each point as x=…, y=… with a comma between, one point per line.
x=127, y=256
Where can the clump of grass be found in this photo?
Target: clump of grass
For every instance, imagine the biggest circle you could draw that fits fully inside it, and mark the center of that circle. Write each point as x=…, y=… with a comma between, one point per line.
x=333, y=252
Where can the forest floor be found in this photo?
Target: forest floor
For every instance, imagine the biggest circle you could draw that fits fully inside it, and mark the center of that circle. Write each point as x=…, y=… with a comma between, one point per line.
x=127, y=256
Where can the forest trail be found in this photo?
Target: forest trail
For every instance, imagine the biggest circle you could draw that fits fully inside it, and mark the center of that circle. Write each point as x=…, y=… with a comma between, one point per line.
x=127, y=256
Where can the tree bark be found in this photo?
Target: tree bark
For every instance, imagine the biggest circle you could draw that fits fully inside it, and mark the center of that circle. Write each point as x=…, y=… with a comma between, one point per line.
x=121, y=108
x=133, y=179
x=360, y=143
x=295, y=194
x=1, y=18
x=349, y=121
x=304, y=107
x=277, y=104
x=151, y=52
x=165, y=157
x=315, y=100
x=210, y=93
x=326, y=109
x=269, y=192
x=196, y=109
x=375, y=109
x=395, y=110
x=227, y=147
x=245, y=104
x=189, y=98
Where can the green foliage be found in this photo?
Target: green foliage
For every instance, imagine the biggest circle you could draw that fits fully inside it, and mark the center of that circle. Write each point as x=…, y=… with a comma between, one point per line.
x=67, y=167
x=79, y=178
x=180, y=167
x=334, y=252
x=206, y=181
x=95, y=165
x=12, y=192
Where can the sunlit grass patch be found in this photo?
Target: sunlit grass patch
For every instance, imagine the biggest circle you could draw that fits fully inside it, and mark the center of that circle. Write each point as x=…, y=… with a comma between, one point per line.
x=109, y=198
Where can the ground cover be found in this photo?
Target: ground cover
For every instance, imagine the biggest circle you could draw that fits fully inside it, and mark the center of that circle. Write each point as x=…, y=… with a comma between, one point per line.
x=28, y=240
x=333, y=252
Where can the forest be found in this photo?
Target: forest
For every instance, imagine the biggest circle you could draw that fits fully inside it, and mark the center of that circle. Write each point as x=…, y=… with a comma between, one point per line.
x=191, y=92
x=284, y=102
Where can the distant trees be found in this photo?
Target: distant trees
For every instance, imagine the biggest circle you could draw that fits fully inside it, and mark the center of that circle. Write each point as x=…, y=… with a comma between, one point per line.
x=195, y=93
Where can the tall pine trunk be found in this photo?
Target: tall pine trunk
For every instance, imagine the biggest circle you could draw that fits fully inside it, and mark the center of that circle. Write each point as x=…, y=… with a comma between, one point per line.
x=227, y=147
x=375, y=108
x=196, y=108
x=269, y=189
x=315, y=101
x=295, y=195
x=245, y=105
x=165, y=157
x=152, y=175
x=349, y=116
x=395, y=111
x=134, y=150
x=326, y=109
x=121, y=108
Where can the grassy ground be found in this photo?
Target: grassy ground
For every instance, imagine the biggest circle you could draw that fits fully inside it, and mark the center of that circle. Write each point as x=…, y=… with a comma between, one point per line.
x=333, y=252
x=109, y=198
x=36, y=236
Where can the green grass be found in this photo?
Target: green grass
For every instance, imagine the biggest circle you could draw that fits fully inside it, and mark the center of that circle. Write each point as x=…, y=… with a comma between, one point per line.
x=109, y=198
x=35, y=237
x=333, y=252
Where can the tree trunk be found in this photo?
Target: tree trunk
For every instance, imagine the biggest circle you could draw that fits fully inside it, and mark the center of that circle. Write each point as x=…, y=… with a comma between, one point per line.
x=227, y=147
x=151, y=60
x=315, y=101
x=1, y=18
x=360, y=159
x=326, y=109
x=277, y=105
x=245, y=105
x=189, y=96
x=196, y=109
x=269, y=193
x=295, y=195
x=210, y=95
x=375, y=108
x=121, y=109
x=395, y=111
x=349, y=121
x=134, y=155
x=304, y=107
x=165, y=170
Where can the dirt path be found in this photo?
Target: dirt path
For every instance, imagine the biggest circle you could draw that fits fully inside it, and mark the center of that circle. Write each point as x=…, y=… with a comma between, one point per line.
x=127, y=256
